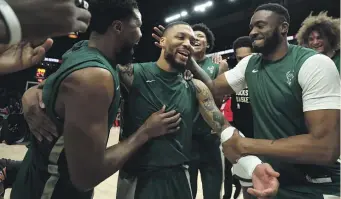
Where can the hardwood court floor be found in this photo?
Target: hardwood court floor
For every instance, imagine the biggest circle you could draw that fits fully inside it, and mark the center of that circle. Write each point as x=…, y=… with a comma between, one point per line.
x=105, y=190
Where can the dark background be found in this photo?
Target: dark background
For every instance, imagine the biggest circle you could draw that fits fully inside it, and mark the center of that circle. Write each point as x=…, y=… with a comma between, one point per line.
x=228, y=19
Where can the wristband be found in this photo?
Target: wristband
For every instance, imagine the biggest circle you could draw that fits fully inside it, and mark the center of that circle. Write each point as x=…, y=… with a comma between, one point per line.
x=227, y=134
x=12, y=22
x=249, y=163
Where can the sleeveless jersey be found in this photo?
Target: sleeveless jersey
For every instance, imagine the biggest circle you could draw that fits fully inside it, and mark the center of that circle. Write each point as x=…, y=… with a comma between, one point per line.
x=44, y=172
x=200, y=125
x=278, y=110
x=152, y=88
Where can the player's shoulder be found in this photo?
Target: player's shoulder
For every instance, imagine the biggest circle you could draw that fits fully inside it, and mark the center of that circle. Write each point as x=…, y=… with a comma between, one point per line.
x=90, y=78
x=320, y=61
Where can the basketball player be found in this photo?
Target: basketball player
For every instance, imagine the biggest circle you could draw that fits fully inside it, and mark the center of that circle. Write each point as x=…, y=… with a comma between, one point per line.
x=295, y=98
x=205, y=146
x=19, y=19
x=321, y=33
x=159, y=169
x=82, y=98
x=207, y=156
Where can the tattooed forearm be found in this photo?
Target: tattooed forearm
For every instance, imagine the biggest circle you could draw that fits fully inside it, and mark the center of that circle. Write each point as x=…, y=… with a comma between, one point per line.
x=208, y=109
x=126, y=75
x=219, y=119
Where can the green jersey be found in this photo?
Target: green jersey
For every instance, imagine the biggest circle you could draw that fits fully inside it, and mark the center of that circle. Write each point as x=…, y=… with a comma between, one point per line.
x=44, y=172
x=152, y=88
x=336, y=59
x=200, y=125
x=277, y=105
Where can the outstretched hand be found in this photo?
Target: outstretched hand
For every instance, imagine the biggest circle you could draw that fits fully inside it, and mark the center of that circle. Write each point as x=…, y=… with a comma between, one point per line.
x=158, y=34
x=265, y=183
x=21, y=56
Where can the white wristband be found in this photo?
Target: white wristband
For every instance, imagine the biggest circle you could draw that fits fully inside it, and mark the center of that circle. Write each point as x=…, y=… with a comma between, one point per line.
x=12, y=22
x=249, y=163
x=227, y=134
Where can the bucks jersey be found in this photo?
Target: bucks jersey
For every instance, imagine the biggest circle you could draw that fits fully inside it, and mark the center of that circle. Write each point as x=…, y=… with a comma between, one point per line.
x=336, y=59
x=242, y=112
x=152, y=88
x=212, y=69
x=44, y=172
x=276, y=96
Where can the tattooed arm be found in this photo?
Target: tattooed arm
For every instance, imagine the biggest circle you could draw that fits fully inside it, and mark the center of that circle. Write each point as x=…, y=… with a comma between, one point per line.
x=208, y=109
x=126, y=75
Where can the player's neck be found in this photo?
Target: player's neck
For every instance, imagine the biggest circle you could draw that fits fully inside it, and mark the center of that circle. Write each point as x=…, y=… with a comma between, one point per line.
x=164, y=65
x=100, y=42
x=279, y=52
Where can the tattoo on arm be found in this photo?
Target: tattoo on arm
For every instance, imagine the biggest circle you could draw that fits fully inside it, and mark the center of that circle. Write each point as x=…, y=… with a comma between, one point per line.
x=208, y=109
x=126, y=75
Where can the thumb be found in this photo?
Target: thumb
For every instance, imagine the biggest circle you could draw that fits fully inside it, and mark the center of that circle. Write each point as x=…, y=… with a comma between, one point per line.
x=163, y=109
x=40, y=99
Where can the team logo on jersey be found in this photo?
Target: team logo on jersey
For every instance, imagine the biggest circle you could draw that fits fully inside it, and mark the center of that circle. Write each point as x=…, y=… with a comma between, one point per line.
x=290, y=76
x=211, y=69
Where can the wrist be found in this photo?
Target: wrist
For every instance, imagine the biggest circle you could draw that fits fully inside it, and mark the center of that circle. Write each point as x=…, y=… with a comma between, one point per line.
x=243, y=143
x=142, y=134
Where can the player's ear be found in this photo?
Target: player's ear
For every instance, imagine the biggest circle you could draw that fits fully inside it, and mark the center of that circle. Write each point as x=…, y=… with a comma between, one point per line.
x=163, y=41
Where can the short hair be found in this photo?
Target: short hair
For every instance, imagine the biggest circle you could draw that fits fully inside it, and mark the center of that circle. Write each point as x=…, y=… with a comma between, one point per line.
x=277, y=8
x=240, y=42
x=328, y=27
x=209, y=34
x=175, y=23
x=104, y=12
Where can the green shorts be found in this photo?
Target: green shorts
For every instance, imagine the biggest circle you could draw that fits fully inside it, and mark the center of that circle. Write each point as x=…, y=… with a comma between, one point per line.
x=165, y=183
x=209, y=160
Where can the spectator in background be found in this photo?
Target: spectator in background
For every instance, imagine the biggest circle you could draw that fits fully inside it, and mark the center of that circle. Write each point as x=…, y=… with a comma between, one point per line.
x=321, y=33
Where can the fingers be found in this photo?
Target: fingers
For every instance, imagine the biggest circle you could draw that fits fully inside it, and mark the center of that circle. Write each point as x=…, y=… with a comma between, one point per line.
x=47, y=44
x=157, y=44
x=158, y=31
x=174, y=124
x=38, y=55
x=168, y=114
x=173, y=130
x=272, y=172
x=83, y=20
x=163, y=109
x=156, y=37
x=36, y=135
x=39, y=94
x=46, y=135
x=40, y=51
x=161, y=28
x=263, y=193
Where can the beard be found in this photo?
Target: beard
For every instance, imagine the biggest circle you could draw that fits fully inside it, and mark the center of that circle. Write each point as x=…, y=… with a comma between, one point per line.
x=170, y=58
x=125, y=56
x=270, y=44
